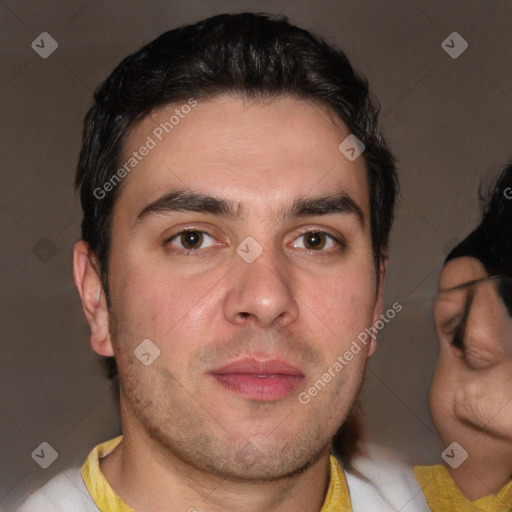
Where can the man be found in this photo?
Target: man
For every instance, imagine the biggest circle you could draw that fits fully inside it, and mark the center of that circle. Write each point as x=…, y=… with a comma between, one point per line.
x=234, y=252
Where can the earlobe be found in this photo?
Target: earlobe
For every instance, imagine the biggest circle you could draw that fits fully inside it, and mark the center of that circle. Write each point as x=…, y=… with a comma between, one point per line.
x=379, y=303
x=88, y=283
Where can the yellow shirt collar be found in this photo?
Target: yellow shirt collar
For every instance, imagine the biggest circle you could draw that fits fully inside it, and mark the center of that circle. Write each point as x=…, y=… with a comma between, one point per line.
x=336, y=500
x=442, y=493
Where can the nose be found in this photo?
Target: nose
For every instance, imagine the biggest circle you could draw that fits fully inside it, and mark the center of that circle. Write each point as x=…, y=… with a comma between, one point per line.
x=261, y=293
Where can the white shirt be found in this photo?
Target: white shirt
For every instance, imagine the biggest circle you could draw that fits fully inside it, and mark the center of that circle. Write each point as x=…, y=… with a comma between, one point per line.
x=380, y=483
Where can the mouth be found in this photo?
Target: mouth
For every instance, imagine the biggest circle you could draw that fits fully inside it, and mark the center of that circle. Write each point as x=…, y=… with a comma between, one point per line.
x=258, y=379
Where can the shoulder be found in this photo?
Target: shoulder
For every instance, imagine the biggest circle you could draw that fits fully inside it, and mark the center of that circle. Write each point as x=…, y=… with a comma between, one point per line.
x=65, y=492
x=380, y=479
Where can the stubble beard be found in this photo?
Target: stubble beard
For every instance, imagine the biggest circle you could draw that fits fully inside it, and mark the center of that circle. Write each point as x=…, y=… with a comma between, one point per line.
x=185, y=434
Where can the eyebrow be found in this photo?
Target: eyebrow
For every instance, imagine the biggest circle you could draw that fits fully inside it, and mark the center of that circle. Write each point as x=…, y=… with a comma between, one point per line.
x=189, y=201
x=473, y=282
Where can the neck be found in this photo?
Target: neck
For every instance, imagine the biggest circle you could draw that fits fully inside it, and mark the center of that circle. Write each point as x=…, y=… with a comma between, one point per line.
x=147, y=477
x=486, y=470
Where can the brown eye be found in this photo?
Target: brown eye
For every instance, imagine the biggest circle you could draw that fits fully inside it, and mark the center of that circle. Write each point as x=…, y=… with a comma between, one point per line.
x=192, y=240
x=318, y=241
x=315, y=241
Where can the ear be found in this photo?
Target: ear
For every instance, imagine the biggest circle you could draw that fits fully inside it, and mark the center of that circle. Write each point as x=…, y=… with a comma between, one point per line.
x=379, y=302
x=88, y=283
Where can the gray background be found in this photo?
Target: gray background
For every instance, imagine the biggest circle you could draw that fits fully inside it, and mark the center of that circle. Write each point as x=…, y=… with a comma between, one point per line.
x=448, y=120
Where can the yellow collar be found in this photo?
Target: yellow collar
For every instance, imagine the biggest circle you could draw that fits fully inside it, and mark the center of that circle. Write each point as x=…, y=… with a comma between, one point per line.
x=442, y=493
x=337, y=498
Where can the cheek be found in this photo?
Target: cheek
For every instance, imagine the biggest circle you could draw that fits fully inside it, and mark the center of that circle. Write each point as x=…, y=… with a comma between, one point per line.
x=335, y=312
x=345, y=300
x=176, y=309
x=507, y=337
x=444, y=385
x=159, y=287
x=156, y=302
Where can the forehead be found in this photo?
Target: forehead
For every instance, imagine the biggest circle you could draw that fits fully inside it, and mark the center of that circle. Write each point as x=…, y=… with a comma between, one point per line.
x=459, y=271
x=258, y=152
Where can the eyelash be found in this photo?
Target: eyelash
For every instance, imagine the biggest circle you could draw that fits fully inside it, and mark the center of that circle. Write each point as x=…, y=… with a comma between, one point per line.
x=340, y=244
x=201, y=252
x=456, y=334
x=187, y=252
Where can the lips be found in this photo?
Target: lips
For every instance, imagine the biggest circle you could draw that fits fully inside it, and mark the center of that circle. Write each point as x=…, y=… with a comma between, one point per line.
x=258, y=367
x=258, y=379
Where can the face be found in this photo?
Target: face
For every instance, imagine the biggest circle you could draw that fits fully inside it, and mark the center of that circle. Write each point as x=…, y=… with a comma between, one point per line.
x=241, y=248
x=474, y=374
